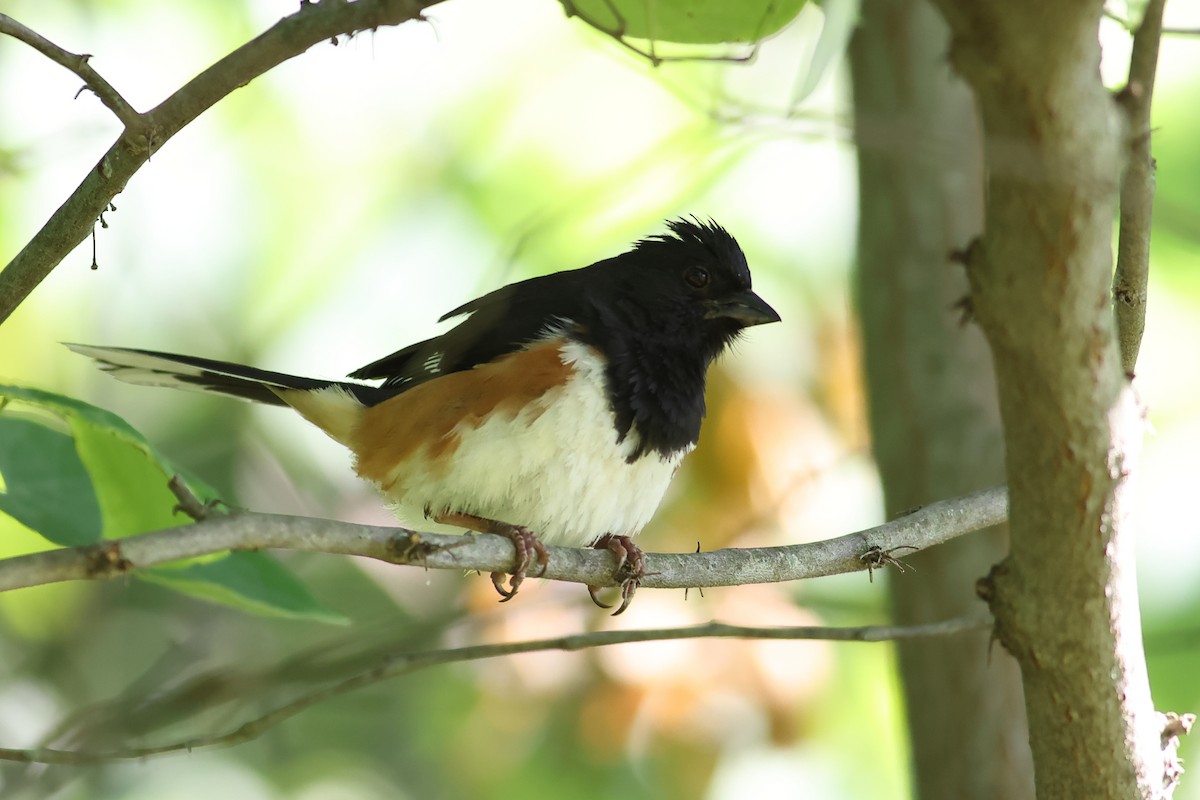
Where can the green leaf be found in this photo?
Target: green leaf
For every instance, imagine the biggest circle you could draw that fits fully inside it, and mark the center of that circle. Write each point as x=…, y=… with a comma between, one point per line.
x=66, y=407
x=128, y=475
x=46, y=486
x=130, y=480
x=247, y=580
x=50, y=476
x=687, y=21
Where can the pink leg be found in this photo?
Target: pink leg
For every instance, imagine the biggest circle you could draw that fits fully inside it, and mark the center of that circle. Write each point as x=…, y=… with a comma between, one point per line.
x=631, y=568
x=525, y=543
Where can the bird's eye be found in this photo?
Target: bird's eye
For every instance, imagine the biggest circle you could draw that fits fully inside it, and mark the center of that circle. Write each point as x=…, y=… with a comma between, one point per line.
x=697, y=277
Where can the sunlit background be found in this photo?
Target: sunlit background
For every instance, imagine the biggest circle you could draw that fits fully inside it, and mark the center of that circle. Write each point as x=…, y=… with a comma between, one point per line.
x=326, y=215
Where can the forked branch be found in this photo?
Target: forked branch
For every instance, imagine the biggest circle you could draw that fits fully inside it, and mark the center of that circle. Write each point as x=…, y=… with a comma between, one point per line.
x=144, y=133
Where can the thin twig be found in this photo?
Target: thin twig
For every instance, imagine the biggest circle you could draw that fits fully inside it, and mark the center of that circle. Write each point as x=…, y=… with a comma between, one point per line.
x=1132, y=274
x=78, y=64
x=929, y=525
x=405, y=663
x=166, y=696
x=1166, y=30
x=314, y=23
x=189, y=504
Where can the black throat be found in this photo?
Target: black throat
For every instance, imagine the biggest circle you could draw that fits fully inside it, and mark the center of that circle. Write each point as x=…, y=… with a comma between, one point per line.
x=656, y=381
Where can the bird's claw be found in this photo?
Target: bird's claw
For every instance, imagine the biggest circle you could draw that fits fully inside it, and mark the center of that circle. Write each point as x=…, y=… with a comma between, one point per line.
x=631, y=568
x=527, y=545
x=592, y=593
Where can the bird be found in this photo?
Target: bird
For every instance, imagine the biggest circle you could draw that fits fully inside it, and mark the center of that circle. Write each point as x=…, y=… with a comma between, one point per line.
x=556, y=412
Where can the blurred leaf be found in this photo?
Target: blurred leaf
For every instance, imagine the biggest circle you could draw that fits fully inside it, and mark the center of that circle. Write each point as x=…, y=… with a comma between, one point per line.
x=66, y=407
x=125, y=479
x=128, y=475
x=250, y=581
x=687, y=21
x=46, y=486
x=841, y=17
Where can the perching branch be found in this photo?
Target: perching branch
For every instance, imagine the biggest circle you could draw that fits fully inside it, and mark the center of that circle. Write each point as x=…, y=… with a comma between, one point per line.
x=1137, y=190
x=405, y=663
x=853, y=552
x=144, y=133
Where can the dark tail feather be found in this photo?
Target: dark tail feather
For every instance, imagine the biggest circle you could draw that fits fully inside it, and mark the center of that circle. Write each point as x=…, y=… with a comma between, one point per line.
x=150, y=368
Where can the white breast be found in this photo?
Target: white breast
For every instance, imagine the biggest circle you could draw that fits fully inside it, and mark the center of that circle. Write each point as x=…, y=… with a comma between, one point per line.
x=556, y=468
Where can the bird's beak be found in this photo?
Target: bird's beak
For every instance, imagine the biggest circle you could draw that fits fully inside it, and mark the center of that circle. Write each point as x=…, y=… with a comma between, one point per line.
x=744, y=307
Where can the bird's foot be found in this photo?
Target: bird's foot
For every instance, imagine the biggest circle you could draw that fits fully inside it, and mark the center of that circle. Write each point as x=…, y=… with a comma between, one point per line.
x=631, y=568
x=525, y=542
x=527, y=545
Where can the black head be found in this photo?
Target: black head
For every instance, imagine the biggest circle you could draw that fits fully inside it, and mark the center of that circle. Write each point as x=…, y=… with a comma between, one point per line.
x=666, y=309
x=693, y=283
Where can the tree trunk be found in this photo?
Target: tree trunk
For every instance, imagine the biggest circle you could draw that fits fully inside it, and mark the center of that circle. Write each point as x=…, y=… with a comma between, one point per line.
x=934, y=417
x=1065, y=600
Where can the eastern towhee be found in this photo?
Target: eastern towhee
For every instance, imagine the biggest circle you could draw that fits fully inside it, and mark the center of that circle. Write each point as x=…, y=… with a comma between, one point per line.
x=557, y=412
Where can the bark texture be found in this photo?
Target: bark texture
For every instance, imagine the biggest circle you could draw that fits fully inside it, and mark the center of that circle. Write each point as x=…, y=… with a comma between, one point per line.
x=934, y=417
x=1065, y=600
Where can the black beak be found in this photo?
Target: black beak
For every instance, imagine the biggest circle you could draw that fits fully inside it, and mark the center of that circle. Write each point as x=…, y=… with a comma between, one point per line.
x=744, y=307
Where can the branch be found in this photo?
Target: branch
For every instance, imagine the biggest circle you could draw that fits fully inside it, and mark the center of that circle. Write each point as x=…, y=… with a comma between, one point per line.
x=1166, y=31
x=144, y=133
x=868, y=549
x=1137, y=190
x=405, y=663
x=77, y=64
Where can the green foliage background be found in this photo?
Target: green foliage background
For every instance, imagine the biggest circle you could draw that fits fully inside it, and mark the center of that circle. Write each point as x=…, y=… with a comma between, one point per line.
x=329, y=213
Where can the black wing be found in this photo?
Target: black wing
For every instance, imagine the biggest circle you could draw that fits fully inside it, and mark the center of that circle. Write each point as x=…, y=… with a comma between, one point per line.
x=498, y=323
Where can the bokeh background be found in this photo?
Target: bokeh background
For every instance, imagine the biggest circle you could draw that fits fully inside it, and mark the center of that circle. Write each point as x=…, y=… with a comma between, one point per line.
x=327, y=214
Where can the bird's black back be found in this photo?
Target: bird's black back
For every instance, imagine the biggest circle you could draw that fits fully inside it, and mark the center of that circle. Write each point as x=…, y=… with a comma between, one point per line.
x=499, y=322
x=633, y=308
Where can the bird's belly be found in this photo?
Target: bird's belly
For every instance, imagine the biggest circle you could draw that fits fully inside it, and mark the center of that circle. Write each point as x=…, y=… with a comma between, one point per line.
x=554, y=467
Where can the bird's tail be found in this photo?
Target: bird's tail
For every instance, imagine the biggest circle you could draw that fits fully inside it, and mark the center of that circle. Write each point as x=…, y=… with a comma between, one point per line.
x=333, y=406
